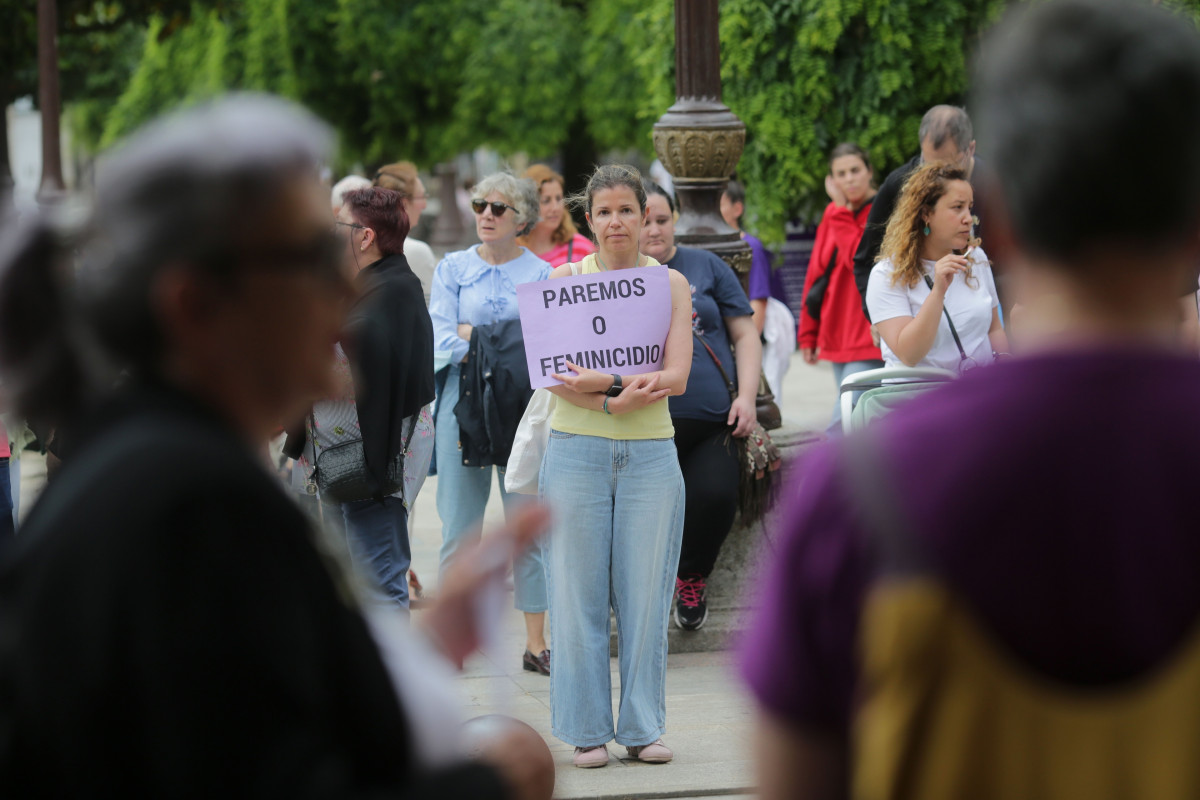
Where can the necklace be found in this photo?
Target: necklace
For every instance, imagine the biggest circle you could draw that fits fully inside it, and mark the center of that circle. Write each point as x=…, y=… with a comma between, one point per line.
x=605, y=268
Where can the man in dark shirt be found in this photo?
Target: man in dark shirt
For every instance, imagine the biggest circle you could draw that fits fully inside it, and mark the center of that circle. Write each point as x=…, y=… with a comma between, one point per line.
x=946, y=134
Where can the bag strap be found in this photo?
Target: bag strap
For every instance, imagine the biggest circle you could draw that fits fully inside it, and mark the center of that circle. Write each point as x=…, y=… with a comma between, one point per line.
x=408, y=439
x=962, y=354
x=728, y=383
x=570, y=249
x=312, y=418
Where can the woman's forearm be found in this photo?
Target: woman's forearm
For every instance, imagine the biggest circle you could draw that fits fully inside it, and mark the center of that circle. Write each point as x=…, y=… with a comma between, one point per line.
x=999, y=341
x=593, y=401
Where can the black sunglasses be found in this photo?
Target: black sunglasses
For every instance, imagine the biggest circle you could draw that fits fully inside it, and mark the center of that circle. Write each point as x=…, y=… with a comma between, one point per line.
x=497, y=207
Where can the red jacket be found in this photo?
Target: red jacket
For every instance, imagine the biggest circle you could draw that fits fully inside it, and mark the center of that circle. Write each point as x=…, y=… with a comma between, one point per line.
x=843, y=333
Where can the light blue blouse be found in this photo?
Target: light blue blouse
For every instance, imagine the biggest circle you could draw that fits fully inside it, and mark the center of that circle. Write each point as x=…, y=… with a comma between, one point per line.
x=468, y=289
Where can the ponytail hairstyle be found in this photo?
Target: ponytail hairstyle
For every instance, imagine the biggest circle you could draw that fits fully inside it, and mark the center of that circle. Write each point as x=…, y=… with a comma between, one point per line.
x=653, y=188
x=190, y=191
x=610, y=176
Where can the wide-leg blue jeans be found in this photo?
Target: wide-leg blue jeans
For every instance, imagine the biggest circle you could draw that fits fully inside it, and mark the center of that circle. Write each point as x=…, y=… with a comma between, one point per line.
x=618, y=524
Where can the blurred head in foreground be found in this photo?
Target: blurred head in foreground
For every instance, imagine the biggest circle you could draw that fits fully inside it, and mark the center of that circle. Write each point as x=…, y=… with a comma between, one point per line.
x=210, y=238
x=1071, y=96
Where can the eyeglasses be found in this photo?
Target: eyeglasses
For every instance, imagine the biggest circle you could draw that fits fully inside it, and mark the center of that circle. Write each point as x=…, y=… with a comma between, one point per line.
x=498, y=208
x=350, y=224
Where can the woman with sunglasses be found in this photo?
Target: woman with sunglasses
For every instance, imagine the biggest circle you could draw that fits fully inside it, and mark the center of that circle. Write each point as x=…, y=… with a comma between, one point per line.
x=402, y=177
x=554, y=239
x=611, y=476
x=478, y=286
x=932, y=295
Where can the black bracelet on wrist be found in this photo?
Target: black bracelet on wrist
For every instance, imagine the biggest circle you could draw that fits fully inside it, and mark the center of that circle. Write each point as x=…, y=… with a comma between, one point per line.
x=616, y=387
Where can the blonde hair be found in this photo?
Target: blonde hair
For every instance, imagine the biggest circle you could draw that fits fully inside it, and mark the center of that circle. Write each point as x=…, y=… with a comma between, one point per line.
x=905, y=230
x=541, y=174
x=400, y=177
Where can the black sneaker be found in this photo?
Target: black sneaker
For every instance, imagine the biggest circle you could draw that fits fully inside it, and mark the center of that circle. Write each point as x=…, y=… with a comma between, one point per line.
x=691, y=604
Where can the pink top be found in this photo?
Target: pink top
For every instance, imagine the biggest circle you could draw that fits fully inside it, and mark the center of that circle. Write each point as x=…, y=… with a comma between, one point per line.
x=5, y=452
x=556, y=256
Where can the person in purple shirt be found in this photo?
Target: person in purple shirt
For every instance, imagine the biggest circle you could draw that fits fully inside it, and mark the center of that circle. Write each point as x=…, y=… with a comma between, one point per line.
x=764, y=281
x=1046, y=504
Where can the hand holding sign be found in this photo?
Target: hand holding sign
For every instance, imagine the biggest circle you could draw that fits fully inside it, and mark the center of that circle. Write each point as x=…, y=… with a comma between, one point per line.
x=601, y=322
x=640, y=391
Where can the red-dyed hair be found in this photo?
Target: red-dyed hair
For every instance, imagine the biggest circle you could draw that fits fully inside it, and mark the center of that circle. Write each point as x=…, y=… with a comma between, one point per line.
x=380, y=210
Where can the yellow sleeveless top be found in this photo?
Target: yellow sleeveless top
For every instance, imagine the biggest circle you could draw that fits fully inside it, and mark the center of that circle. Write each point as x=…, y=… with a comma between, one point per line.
x=651, y=422
x=946, y=713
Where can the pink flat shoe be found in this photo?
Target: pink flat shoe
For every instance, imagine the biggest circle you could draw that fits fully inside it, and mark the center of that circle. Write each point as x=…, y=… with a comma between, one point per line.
x=656, y=753
x=591, y=757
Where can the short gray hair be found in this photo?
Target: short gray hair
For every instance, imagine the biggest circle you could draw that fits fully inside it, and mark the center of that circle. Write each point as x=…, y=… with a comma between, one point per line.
x=520, y=193
x=347, y=184
x=946, y=122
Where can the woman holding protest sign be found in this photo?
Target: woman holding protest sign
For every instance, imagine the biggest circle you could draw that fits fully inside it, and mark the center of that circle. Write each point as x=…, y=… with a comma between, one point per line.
x=706, y=418
x=477, y=287
x=612, y=477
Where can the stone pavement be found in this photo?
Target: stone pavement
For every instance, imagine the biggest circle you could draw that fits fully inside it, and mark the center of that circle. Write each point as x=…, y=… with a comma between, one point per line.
x=709, y=714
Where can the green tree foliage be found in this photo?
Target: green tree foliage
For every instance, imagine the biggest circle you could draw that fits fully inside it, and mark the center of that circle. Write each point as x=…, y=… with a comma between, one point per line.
x=519, y=87
x=427, y=79
x=628, y=70
x=805, y=75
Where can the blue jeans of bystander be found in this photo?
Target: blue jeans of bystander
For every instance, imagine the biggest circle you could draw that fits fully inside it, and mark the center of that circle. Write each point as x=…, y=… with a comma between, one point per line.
x=462, y=495
x=618, y=524
x=377, y=537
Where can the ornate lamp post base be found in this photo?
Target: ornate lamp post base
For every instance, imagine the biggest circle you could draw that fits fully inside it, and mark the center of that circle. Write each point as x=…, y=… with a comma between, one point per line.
x=699, y=140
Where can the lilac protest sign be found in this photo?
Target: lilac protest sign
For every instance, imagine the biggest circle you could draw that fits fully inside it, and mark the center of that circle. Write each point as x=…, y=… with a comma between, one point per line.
x=606, y=321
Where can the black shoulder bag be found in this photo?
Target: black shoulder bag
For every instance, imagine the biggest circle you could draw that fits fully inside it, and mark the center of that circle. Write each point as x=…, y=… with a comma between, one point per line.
x=758, y=458
x=340, y=474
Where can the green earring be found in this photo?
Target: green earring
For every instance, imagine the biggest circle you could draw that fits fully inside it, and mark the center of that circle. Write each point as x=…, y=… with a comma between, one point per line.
x=926, y=230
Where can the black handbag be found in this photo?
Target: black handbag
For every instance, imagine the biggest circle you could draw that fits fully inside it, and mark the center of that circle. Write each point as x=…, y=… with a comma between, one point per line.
x=340, y=474
x=816, y=293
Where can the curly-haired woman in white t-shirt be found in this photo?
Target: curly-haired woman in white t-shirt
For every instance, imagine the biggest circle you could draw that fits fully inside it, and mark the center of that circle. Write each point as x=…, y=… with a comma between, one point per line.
x=932, y=295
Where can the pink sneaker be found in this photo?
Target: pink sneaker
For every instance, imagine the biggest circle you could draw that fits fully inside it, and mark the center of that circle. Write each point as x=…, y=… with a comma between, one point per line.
x=656, y=753
x=591, y=757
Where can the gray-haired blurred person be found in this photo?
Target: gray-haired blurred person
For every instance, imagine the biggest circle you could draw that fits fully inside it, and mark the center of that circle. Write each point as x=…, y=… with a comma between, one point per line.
x=994, y=592
x=169, y=624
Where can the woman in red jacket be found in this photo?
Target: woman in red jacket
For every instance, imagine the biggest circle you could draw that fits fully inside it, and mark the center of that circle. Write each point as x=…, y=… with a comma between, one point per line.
x=832, y=324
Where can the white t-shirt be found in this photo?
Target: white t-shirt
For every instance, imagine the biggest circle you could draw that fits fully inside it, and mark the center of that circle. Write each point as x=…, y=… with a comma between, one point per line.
x=971, y=310
x=421, y=262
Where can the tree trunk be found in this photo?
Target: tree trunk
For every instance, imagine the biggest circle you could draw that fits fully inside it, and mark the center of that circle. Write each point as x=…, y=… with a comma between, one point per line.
x=579, y=158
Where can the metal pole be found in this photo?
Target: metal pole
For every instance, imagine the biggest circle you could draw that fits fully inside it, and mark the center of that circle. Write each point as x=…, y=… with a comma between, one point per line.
x=699, y=140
